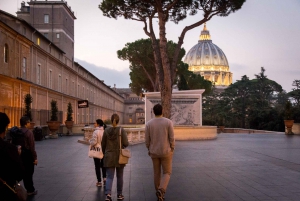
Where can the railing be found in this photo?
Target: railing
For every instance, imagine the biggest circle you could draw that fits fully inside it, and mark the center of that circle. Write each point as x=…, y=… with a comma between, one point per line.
x=134, y=135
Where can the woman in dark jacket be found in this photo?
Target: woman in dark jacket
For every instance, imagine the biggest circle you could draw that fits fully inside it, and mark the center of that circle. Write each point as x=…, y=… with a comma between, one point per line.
x=111, y=149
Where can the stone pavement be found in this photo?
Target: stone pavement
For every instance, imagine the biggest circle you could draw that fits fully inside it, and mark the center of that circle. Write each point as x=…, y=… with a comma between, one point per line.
x=232, y=167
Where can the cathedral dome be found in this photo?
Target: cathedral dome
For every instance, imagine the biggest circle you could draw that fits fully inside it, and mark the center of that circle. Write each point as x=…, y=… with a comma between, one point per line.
x=208, y=60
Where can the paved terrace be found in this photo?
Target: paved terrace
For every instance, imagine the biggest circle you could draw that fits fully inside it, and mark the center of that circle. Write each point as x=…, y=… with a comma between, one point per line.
x=232, y=167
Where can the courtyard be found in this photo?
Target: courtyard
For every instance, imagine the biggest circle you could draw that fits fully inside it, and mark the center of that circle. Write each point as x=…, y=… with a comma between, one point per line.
x=232, y=167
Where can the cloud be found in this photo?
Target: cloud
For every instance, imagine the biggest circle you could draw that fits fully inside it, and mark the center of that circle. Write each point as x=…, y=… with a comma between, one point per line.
x=110, y=76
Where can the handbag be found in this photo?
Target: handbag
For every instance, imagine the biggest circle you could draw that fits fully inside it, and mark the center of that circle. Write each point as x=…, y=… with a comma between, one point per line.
x=95, y=151
x=19, y=190
x=124, y=153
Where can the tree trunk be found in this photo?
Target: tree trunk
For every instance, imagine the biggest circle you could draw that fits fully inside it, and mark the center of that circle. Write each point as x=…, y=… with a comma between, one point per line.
x=166, y=87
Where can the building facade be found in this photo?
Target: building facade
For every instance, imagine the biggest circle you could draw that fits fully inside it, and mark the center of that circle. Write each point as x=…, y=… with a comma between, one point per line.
x=134, y=107
x=37, y=57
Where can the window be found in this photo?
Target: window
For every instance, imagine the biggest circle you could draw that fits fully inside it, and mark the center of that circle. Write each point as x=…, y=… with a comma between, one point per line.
x=38, y=41
x=67, y=86
x=24, y=61
x=24, y=31
x=38, y=74
x=78, y=90
x=6, y=53
x=59, y=83
x=46, y=19
x=50, y=79
x=73, y=88
x=57, y=35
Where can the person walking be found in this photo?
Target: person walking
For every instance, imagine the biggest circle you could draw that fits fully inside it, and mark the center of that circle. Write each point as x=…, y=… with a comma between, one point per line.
x=97, y=138
x=160, y=143
x=111, y=150
x=11, y=167
x=28, y=156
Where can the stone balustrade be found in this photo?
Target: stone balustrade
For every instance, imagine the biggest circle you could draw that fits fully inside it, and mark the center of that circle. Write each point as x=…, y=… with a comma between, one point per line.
x=135, y=135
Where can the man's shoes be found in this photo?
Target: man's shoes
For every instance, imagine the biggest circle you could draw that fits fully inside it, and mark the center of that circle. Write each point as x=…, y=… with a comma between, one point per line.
x=108, y=198
x=120, y=197
x=99, y=184
x=32, y=193
x=159, y=195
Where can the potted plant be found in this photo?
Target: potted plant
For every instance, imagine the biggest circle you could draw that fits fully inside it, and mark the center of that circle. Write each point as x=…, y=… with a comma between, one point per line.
x=53, y=124
x=27, y=102
x=69, y=122
x=288, y=118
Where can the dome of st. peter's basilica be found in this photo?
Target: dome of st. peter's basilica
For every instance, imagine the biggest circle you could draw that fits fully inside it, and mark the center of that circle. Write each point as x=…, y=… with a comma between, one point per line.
x=208, y=60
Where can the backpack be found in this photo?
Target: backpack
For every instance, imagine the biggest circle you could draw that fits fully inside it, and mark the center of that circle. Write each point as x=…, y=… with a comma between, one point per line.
x=17, y=136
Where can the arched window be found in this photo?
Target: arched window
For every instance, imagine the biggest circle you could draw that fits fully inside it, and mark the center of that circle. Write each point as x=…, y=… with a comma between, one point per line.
x=6, y=53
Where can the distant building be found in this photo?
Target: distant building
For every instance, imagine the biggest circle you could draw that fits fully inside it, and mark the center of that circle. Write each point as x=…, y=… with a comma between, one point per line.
x=37, y=57
x=208, y=60
x=134, y=107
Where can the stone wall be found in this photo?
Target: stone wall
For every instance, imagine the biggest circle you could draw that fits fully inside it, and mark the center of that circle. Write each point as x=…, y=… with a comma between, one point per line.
x=186, y=106
x=247, y=131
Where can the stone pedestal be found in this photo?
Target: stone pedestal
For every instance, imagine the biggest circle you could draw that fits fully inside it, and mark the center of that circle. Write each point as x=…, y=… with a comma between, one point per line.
x=53, y=136
x=88, y=133
x=186, y=114
x=69, y=126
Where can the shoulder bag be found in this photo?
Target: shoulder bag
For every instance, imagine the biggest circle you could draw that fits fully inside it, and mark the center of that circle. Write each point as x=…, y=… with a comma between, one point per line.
x=19, y=190
x=96, y=151
x=124, y=153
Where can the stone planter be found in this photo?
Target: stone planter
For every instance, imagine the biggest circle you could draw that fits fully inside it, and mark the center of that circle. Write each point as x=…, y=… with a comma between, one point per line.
x=53, y=127
x=69, y=126
x=288, y=124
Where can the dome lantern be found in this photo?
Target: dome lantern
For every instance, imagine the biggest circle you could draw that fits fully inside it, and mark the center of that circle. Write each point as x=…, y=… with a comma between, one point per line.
x=204, y=34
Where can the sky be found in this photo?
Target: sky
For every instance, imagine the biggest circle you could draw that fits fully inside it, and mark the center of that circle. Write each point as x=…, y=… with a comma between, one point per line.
x=263, y=33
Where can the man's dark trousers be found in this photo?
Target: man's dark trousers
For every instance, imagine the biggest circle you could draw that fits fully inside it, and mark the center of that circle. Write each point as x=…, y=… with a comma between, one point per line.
x=29, y=170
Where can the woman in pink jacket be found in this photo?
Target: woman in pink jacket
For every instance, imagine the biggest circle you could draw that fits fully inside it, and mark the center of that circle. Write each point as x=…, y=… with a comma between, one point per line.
x=97, y=138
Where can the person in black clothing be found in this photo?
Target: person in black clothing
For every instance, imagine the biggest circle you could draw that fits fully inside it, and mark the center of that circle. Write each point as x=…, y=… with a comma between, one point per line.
x=28, y=156
x=11, y=168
